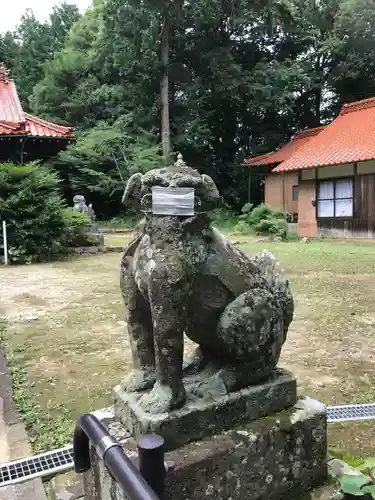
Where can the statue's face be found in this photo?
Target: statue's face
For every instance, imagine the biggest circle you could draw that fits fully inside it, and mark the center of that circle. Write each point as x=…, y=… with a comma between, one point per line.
x=172, y=177
x=173, y=187
x=169, y=191
x=79, y=199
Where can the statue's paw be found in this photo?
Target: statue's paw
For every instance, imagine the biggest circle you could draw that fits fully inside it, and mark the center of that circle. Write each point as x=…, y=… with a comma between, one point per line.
x=162, y=399
x=138, y=380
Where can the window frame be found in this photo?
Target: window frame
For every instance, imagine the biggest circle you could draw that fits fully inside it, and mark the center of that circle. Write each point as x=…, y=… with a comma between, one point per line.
x=295, y=191
x=334, y=199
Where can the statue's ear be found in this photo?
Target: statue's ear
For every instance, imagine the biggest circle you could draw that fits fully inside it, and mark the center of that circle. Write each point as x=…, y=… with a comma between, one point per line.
x=132, y=193
x=209, y=194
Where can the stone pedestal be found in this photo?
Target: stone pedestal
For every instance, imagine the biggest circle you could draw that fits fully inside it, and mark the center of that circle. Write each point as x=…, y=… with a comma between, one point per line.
x=96, y=237
x=271, y=458
x=205, y=416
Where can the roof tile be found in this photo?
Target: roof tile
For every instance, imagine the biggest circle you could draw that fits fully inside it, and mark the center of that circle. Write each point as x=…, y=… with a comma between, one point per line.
x=299, y=140
x=13, y=120
x=349, y=138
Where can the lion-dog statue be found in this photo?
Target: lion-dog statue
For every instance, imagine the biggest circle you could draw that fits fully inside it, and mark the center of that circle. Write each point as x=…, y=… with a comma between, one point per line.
x=180, y=275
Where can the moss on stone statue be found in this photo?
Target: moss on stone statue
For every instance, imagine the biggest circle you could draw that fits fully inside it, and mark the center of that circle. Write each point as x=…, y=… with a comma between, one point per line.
x=280, y=420
x=191, y=279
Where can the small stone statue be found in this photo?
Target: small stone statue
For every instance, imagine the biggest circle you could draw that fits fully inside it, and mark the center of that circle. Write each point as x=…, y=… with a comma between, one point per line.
x=80, y=204
x=96, y=236
x=180, y=276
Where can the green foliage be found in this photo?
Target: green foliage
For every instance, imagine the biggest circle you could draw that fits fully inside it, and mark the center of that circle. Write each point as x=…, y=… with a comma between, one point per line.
x=243, y=78
x=38, y=224
x=223, y=218
x=76, y=226
x=262, y=212
x=273, y=226
x=126, y=221
x=104, y=157
x=27, y=49
x=247, y=208
x=31, y=206
x=46, y=430
x=360, y=483
x=342, y=455
x=355, y=485
x=264, y=220
x=69, y=92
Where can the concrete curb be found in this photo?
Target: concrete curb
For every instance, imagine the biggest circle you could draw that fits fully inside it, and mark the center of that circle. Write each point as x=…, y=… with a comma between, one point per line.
x=14, y=441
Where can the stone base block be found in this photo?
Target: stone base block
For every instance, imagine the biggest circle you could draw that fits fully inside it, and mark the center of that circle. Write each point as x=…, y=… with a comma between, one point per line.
x=201, y=417
x=96, y=238
x=273, y=458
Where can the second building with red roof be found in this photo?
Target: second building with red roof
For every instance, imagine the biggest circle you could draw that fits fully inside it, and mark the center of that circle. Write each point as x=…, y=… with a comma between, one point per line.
x=326, y=176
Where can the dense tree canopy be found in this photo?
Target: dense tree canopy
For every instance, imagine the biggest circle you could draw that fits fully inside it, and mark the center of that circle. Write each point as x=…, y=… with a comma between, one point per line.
x=33, y=43
x=243, y=77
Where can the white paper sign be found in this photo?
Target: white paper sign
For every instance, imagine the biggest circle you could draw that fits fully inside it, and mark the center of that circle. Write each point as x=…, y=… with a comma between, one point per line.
x=172, y=201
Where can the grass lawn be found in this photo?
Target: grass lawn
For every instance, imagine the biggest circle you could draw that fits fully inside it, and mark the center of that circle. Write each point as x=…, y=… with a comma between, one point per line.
x=65, y=327
x=116, y=239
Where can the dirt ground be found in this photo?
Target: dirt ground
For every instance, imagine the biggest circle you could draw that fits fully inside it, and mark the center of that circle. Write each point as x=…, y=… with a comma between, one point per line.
x=65, y=326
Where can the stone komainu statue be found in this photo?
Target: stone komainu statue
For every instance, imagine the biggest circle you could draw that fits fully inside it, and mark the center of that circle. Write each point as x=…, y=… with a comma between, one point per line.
x=180, y=275
x=80, y=204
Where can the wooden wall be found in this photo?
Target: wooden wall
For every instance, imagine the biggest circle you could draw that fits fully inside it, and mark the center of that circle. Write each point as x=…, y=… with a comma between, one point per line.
x=362, y=224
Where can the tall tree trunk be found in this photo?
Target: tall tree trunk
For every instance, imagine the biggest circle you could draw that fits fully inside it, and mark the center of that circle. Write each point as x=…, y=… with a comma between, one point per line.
x=164, y=85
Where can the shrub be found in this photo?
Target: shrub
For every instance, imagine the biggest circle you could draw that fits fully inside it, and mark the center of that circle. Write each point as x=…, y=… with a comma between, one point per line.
x=76, y=226
x=263, y=212
x=358, y=480
x=33, y=210
x=125, y=221
x=264, y=220
x=223, y=218
x=272, y=226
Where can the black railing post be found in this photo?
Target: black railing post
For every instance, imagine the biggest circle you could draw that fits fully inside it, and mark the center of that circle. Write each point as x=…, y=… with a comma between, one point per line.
x=151, y=461
x=90, y=429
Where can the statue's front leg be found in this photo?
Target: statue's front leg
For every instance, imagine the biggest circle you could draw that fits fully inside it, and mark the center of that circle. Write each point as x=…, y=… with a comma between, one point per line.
x=168, y=299
x=139, y=325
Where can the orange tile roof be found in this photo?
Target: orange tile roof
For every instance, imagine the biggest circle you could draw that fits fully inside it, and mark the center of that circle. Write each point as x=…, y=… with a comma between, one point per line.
x=349, y=138
x=14, y=121
x=299, y=140
x=257, y=161
x=39, y=128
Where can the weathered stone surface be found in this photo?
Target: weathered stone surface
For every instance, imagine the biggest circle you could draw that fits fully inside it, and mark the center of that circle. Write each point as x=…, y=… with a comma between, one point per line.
x=274, y=458
x=113, y=249
x=79, y=204
x=179, y=275
x=67, y=486
x=85, y=250
x=204, y=414
x=115, y=230
x=96, y=238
